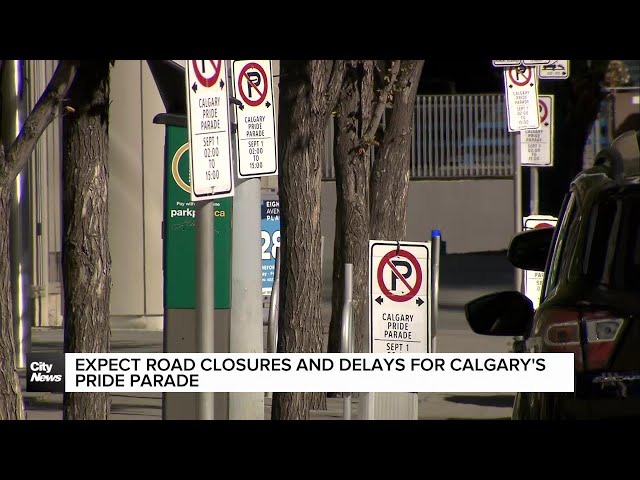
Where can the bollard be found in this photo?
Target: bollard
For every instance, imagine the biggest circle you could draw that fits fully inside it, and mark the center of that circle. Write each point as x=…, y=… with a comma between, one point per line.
x=346, y=341
x=274, y=305
x=435, y=283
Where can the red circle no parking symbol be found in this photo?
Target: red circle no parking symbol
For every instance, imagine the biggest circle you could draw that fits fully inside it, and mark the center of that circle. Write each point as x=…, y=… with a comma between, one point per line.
x=207, y=71
x=253, y=79
x=410, y=264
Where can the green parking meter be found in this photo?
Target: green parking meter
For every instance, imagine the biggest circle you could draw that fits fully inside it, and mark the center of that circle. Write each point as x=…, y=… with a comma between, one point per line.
x=179, y=227
x=179, y=260
x=179, y=256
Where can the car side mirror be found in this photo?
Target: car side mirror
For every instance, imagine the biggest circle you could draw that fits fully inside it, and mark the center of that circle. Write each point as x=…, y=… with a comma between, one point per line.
x=528, y=250
x=500, y=314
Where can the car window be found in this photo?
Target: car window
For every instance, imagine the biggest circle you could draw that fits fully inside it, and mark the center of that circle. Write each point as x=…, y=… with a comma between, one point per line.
x=552, y=276
x=612, y=256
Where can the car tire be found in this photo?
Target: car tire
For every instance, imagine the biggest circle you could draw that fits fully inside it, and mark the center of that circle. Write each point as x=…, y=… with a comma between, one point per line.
x=552, y=407
x=524, y=407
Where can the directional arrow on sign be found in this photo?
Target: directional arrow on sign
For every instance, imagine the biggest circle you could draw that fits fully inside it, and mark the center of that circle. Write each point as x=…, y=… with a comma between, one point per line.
x=419, y=301
x=267, y=104
x=195, y=87
x=221, y=84
x=379, y=300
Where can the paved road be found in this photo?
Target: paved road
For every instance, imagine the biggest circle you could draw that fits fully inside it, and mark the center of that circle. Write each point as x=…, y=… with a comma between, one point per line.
x=462, y=278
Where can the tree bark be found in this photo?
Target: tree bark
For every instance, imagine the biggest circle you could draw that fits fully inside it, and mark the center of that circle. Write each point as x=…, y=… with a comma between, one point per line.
x=362, y=103
x=11, y=406
x=585, y=98
x=308, y=92
x=12, y=161
x=86, y=260
x=577, y=101
x=391, y=170
x=352, y=164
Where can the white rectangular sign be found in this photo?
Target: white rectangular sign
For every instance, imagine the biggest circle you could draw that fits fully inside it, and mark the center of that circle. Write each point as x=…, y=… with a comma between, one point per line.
x=208, y=122
x=256, y=118
x=554, y=70
x=521, y=92
x=400, y=299
x=535, y=62
x=506, y=63
x=536, y=146
x=533, y=279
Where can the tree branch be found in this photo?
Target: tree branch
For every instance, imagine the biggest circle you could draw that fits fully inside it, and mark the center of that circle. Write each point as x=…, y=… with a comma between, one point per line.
x=325, y=98
x=38, y=120
x=382, y=101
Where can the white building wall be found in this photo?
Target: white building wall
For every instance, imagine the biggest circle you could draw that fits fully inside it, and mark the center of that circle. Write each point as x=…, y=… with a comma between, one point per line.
x=153, y=164
x=126, y=215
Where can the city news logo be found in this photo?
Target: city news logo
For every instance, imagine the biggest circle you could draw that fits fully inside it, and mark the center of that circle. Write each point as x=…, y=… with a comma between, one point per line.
x=45, y=372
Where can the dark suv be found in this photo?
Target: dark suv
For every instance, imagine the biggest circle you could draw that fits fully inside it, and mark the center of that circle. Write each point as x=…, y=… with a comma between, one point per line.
x=590, y=299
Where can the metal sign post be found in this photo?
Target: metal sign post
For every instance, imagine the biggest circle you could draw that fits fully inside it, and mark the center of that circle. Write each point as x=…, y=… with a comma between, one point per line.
x=255, y=156
x=517, y=201
x=204, y=296
x=246, y=327
x=211, y=177
x=435, y=285
x=346, y=333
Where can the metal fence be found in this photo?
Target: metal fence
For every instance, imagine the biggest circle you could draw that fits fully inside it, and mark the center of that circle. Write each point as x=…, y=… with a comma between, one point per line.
x=454, y=136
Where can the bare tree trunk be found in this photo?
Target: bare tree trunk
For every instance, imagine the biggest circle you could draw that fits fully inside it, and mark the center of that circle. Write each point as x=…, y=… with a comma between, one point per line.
x=584, y=103
x=364, y=96
x=352, y=165
x=390, y=172
x=12, y=161
x=308, y=92
x=577, y=101
x=86, y=261
x=11, y=407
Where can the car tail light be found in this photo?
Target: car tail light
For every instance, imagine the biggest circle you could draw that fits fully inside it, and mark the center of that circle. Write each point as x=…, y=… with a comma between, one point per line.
x=601, y=334
x=592, y=341
x=560, y=332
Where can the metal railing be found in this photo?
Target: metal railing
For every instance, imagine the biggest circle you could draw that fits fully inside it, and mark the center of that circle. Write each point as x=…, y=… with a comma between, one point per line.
x=454, y=136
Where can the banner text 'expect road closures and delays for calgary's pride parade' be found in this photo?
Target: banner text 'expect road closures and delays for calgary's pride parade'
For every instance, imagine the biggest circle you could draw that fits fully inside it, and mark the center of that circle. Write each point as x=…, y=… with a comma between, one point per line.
x=301, y=372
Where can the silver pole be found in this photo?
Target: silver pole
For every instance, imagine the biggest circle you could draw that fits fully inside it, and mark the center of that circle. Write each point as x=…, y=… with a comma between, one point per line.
x=40, y=221
x=517, y=201
x=345, y=343
x=272, y=328
x=204, y=296
x=274, y=305
x=534, y=182
x=246, y=329
x=435, y=285
x=13, y=114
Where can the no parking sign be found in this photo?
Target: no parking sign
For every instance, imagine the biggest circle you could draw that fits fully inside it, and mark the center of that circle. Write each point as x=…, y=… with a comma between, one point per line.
x=256, y=138
x=400, y=300
x=533, y=280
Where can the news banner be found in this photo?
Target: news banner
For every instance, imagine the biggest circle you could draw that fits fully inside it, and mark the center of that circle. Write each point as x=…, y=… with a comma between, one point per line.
x=300, y=372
